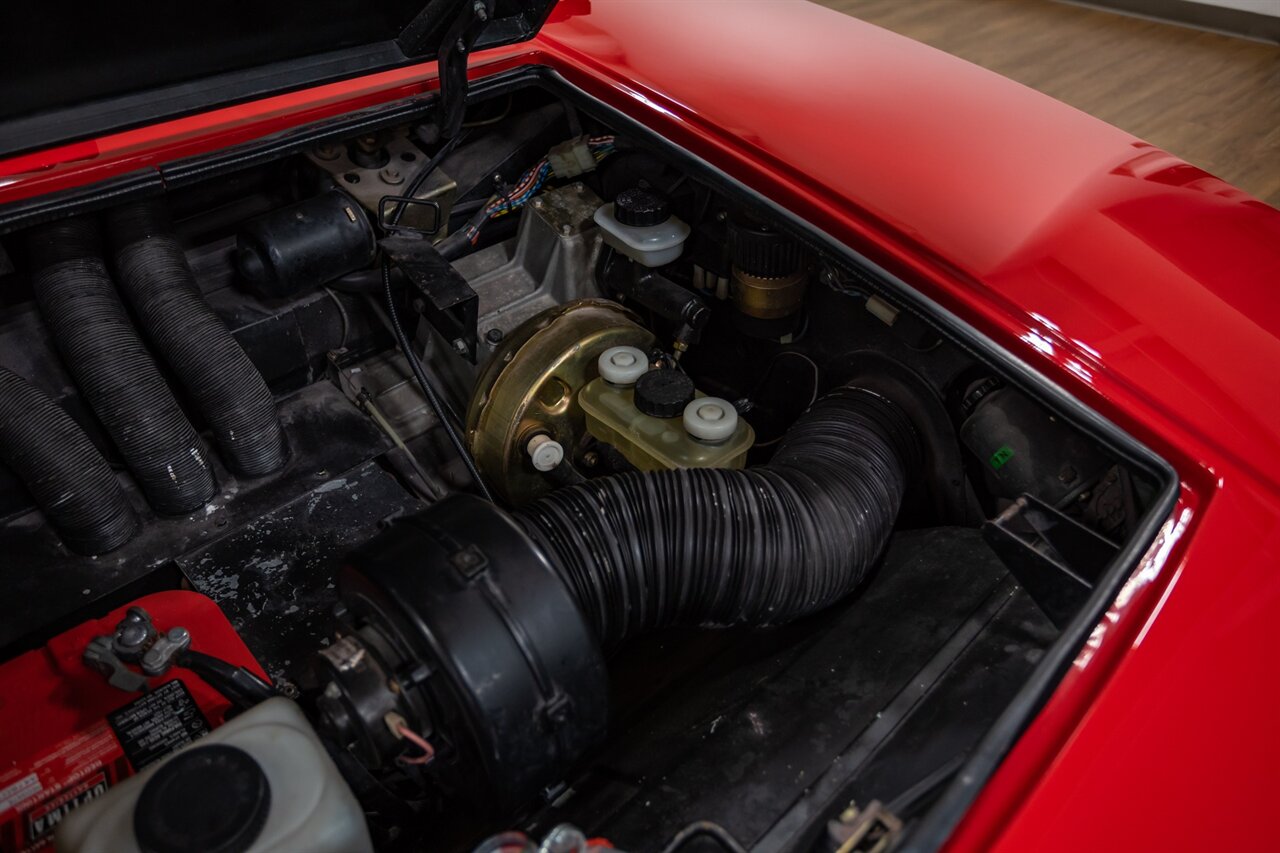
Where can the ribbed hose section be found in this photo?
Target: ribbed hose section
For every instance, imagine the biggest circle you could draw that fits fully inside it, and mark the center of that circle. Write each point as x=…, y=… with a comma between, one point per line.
x=114, y=371
x=718, y=547
x=156, y=280
x=64, y=472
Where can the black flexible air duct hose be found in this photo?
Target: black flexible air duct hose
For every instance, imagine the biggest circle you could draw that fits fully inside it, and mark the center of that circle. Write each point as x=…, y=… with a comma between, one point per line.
x=114, y=370
x=718, y=547
x=156, y=280
x=62, y=469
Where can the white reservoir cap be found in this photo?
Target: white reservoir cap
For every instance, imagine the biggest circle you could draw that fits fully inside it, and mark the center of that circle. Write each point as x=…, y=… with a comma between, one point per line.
x=622, y=365
x=710, y=419
x=545, y=452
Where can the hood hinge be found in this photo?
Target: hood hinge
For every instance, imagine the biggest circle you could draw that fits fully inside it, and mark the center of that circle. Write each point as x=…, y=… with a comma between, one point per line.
x=454, y=50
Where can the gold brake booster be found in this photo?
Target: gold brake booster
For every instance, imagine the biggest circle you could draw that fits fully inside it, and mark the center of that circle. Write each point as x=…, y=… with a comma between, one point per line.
x=529, y=388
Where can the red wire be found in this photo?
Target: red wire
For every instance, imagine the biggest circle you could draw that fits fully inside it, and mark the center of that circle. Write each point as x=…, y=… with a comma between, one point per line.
x=428, y=751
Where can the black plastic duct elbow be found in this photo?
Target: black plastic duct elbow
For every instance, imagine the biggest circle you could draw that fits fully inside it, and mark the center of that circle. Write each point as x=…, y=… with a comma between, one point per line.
x=221, y=380
x=718, y=547
x=113, y=369
x=64, y=472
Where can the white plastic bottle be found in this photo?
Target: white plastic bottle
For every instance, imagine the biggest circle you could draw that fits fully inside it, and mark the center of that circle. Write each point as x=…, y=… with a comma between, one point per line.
x=210, y=793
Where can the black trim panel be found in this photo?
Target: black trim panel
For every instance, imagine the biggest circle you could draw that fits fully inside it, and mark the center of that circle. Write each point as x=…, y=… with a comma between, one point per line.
x=515, y=22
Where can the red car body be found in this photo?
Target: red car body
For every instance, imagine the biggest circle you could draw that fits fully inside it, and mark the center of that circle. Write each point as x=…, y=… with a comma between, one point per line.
x=1142, y=285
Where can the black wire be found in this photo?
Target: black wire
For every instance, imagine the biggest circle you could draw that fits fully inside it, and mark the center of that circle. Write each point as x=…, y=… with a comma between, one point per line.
x=434, y=400
x=417, y=182
x=238, y=685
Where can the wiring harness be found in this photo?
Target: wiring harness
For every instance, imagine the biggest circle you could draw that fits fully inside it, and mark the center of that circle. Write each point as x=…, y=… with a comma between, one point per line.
x=533, y=179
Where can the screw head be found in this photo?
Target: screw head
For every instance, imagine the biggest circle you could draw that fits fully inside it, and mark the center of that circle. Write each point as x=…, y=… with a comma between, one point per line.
x=391, y=175
x=493, y=336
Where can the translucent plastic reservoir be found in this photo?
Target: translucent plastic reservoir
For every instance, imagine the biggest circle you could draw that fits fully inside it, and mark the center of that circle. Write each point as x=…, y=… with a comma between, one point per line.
x=654, y=444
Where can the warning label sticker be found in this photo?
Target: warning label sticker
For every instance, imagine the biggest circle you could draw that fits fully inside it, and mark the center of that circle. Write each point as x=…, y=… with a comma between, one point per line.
x=156, y=723
x=13, y=794
x=54, y=784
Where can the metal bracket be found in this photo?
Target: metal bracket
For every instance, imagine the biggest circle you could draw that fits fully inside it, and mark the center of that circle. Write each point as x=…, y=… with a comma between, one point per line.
x=418, y=37
x=440, y=293
x=873, y=829
x=386, y=215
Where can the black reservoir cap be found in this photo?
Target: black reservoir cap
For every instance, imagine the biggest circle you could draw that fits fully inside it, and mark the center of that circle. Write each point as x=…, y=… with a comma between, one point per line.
x=663, y=393
x=210, y=798
x=640, y=208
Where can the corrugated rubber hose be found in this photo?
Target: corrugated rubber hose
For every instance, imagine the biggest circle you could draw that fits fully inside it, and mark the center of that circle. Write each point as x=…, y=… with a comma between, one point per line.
x=717, y=547
x=113, y=369
x=155, y=278
x=65, y=473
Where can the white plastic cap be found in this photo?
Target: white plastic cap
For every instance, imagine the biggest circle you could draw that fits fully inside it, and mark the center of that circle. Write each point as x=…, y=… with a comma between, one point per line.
x=545, y=452
x=623, y=365
x=710, y=419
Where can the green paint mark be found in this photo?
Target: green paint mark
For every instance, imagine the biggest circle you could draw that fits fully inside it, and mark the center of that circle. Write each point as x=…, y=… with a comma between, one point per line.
x=1000, y=457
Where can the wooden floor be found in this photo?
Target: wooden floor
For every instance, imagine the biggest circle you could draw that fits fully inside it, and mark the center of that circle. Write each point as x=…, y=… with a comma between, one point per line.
x=1212, y=100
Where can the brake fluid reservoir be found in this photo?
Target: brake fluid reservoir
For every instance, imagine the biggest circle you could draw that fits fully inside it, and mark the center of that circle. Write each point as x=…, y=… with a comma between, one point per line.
x=640, y=225
x=657, y=443
x=262, y=782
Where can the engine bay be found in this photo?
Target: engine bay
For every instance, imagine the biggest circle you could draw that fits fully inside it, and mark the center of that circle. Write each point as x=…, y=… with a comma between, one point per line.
x=551, y=492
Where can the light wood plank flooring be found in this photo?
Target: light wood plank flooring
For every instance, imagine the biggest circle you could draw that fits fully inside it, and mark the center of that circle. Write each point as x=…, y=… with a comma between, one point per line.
x=1213, y=100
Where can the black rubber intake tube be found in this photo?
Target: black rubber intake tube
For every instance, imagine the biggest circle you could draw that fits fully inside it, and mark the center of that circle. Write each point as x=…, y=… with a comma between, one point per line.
x=718, y=547
x=154, y=276
x=113, y=369
x=64, y=472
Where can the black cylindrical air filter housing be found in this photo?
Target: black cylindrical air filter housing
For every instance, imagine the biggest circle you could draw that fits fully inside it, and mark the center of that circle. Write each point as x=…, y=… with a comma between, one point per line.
x=113, y=369
x=304, y=245
x=491, y=655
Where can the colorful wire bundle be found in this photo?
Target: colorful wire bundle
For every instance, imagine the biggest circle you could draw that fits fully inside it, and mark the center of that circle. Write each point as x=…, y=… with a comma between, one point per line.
x=528, y=186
